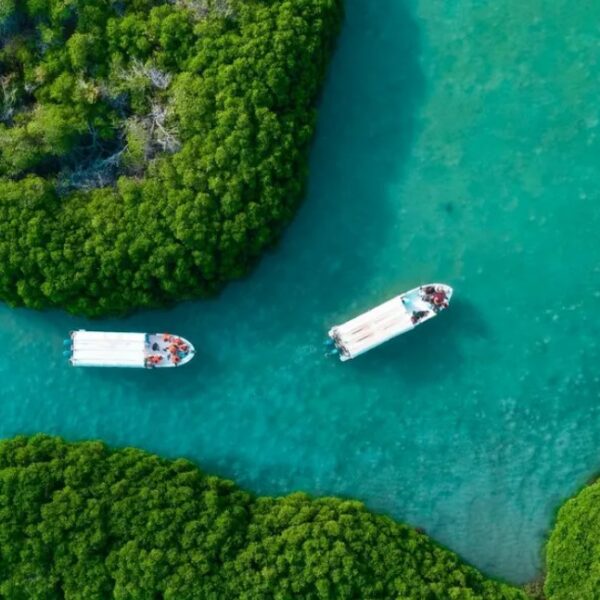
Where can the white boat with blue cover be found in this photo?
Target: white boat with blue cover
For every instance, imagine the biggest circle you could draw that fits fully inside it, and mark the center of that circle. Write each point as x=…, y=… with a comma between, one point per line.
x=388, y=320
x=133, y=350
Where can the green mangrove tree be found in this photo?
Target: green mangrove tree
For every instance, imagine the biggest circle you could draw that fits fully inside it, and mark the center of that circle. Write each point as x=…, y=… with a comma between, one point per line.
x=150, y=149
x=79, y=521
x=573, y=549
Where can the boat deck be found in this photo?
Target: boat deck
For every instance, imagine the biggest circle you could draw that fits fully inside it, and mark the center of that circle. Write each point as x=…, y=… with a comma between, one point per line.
x=159, y=346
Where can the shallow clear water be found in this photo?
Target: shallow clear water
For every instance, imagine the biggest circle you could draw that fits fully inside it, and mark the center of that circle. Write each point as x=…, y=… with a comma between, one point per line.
x=458, y=142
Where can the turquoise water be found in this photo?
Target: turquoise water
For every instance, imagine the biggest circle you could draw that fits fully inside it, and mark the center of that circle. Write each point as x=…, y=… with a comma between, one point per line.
x=457, y=142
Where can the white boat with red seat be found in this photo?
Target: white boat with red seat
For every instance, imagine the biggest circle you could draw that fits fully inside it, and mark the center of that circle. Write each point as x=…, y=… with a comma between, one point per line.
x=125, y=349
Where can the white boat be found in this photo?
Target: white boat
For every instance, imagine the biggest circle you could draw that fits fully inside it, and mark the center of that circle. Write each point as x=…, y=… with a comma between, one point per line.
x=134, y=350
x=388, y=320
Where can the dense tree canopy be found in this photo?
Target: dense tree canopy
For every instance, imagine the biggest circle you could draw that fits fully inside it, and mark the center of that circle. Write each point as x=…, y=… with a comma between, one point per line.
x=81, y=522
x=150, y=149
x=573, y=550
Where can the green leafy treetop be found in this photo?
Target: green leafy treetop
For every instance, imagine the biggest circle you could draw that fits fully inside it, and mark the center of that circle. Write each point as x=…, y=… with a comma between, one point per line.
x=81, y=522
x=150, y=149
x=573, y=550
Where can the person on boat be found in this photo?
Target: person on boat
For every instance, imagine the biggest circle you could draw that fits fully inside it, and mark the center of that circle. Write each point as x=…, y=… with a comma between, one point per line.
x=427, y=293
x=439, y=300
x=167, y=337
x=417, y=315
x=175, y=359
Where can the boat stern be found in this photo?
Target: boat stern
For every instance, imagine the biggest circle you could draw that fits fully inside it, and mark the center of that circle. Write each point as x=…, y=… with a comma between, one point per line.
x=334, y=346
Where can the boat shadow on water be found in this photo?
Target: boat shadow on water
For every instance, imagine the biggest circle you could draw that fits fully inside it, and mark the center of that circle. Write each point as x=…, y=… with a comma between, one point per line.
x=186, y=380
x=433, y=351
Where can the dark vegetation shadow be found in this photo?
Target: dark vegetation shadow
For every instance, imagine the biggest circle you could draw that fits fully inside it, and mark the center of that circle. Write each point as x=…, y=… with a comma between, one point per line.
x=365, y=131
x=176, y=384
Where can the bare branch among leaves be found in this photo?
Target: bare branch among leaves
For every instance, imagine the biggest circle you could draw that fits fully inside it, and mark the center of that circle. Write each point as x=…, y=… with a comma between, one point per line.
x=199, y=8
x=202, y=8
x=99, y=173
x=142, y=140
x=8, y=99
x=163, y=136
x=159, y=79
x=223, y=8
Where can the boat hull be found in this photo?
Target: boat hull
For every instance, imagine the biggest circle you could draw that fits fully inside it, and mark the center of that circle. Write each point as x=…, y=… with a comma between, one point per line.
x=127, y=350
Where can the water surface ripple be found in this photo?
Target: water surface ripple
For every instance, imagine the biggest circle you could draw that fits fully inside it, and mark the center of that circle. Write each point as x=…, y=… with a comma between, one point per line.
x=457, y=141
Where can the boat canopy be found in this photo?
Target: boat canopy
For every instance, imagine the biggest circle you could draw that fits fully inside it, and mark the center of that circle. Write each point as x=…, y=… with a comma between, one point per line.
x=108, y=349
x=374, y=327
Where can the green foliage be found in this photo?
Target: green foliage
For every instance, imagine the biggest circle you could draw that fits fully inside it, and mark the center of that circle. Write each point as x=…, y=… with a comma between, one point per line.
x=171, y=137
x=573, y=550
x=81, y=522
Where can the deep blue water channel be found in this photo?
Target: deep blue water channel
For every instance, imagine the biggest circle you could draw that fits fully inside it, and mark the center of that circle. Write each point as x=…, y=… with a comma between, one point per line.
x=457, y=142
